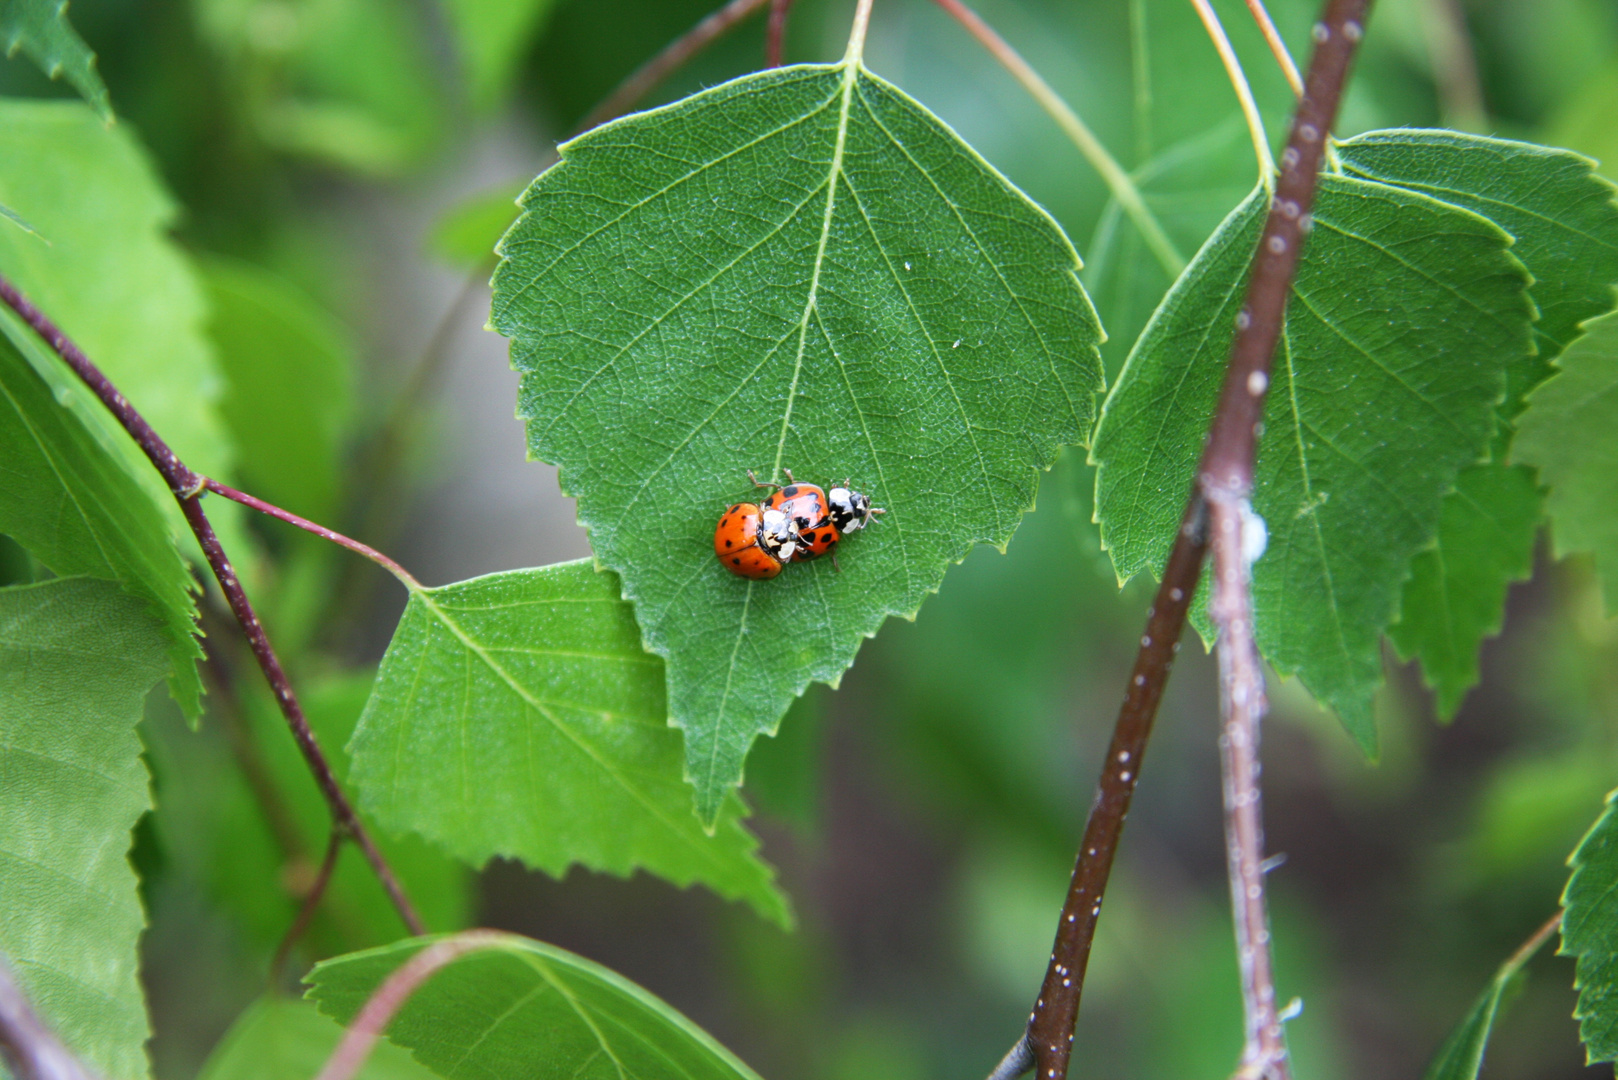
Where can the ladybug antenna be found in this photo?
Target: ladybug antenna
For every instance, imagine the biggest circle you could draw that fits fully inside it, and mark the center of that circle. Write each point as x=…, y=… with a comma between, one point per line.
x=759, y=483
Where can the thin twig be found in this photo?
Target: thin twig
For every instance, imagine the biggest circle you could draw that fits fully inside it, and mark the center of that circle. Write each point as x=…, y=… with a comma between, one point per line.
x=1244, y=92
x=1242, y=706
x=187, y=487
x=775, y=32
x=310, y=904
x=1455, y=69
x=390, y=997
x=1272, y=38
x=674, y=54
x=1226, y=478
x=1050, y=1026
x=321, y=531
x=277, y=814
x=1527, y=949
x=1232, y=436
x=27, y=1044
x=1117, y=180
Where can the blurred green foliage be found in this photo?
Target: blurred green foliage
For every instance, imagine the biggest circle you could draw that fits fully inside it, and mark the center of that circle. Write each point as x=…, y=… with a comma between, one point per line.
x=924, y=815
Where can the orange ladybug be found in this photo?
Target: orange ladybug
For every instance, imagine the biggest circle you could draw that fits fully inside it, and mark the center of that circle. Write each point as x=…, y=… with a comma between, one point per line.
x=746, y=547
x=809, y=517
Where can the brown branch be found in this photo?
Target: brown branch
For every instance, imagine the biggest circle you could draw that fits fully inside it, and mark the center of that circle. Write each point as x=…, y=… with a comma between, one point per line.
x=775, y=32
x=188, y=487
x=674, y=54
x=390, y=997
x=27, y=1044
x=311, y=903
x=1224, y=474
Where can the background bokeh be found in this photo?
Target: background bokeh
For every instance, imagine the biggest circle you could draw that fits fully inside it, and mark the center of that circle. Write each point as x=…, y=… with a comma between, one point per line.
x=924, y=815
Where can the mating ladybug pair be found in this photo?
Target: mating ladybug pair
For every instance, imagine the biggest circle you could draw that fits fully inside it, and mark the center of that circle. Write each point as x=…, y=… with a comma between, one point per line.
x=797, y=523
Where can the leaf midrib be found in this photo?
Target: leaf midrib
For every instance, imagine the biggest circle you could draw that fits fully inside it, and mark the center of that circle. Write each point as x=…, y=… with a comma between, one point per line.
x=566, y=730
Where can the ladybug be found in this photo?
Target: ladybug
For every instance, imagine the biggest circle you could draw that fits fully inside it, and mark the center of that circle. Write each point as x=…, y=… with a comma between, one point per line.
x=809, y=514
x=754, y=542
x=850, y=510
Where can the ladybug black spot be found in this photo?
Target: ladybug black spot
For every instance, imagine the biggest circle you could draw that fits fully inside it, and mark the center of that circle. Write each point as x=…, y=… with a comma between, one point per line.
x=736, y=561
x=809, y=536
x=727, y=543
x=790, y=490
x=733, y=509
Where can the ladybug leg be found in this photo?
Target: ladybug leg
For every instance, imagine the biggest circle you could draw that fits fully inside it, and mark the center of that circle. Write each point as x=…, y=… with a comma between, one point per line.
x=759, y=483
x=834, y=565
x=789, y=476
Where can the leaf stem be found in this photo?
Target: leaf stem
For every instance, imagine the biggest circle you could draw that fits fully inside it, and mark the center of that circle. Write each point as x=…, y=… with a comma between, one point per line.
x=311, y=903
x=1140, y=72
x=1272, y=37
x=1244, y=92
x=1117, y=180
x=856, y=33
x=188, y=487
x=27, y=1044
x=775, y=32
x=404, y=576
x=367, y=1027
x=672, y=56
x=1455, y=69
x=1224, y=473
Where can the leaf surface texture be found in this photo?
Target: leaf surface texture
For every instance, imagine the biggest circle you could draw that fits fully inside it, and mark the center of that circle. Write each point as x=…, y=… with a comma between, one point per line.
x=517, y=715
x=532, y=1010
x=800, y=269
x=77, y=657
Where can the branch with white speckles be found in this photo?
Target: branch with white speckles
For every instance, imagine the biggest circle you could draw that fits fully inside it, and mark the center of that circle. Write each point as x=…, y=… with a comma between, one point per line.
x=1216, y=507
x=188, y=488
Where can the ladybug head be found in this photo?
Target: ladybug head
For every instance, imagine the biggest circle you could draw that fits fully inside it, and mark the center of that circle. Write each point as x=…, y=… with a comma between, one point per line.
x=850, y=509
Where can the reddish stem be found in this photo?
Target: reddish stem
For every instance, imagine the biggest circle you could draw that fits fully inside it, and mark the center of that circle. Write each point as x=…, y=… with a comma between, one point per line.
x=311, y=903
x=319, y=530
x=187, y=487
x=776, y=32
x=674, y=54
x=390, y=997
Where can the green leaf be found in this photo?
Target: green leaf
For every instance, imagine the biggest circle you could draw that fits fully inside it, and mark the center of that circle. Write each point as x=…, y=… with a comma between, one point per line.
x=529, y=1009
x=280, y=1038
x=798, y=269
x=1565, y=225
x=39, y=28
x=117, y=284
x=289, y=385
x=1456, y=593
x=1569, y=432
x=77, y=657
x=1461, y=1056
x=1561, y=215
x=1590, y=933
x=493, y=36
x=1404, y=316
x=469, y=230
x=75, y=506
x=216, y=832
x=110, y=276
x=516, y=715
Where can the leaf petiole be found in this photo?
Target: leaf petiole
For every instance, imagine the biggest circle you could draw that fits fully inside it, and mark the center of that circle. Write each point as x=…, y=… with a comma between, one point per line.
x=1118, y=181
x=1244, y=91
